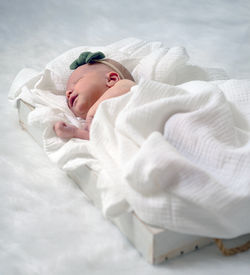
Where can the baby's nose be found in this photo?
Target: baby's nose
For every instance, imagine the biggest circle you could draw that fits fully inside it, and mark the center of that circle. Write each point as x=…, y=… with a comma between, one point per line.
x=68, y=93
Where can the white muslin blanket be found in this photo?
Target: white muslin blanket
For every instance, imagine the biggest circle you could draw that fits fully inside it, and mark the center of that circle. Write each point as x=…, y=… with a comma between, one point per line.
x=175, y=149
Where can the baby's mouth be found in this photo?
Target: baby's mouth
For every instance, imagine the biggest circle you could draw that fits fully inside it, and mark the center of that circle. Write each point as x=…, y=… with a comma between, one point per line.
x=72, y=100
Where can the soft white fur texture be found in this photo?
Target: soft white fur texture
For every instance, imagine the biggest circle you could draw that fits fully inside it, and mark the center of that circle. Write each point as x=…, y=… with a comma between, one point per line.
x=46, y=224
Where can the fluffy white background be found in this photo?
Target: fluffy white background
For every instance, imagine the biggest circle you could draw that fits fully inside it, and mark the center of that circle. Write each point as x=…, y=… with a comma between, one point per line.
x=46, y=224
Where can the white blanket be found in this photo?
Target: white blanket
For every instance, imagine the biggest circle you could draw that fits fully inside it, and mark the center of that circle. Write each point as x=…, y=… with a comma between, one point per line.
x=180, y=154
x=175, y=150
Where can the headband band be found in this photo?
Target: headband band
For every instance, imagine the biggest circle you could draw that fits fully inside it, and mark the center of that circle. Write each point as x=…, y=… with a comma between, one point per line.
x=111, y=66
x=91, y=58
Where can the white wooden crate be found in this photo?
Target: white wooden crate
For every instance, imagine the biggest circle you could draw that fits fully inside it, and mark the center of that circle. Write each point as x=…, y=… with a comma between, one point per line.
x=155, y=244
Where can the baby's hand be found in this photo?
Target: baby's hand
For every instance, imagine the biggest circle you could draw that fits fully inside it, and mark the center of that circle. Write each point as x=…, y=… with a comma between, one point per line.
x=64, y=130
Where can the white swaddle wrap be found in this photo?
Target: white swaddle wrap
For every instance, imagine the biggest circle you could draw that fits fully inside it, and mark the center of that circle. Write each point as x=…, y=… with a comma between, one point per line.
x=175, y=149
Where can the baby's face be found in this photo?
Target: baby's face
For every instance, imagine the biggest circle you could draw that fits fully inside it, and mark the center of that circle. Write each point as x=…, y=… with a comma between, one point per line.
x=84, y=88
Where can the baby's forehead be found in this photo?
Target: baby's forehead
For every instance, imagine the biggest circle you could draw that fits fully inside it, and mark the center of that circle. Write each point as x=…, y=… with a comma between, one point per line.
x=76, y=75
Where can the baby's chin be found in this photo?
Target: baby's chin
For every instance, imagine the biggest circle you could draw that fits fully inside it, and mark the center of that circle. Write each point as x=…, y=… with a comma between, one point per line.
x=79, y=113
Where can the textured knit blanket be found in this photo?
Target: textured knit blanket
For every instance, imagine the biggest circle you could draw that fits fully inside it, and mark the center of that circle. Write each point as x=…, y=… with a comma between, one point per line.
x=180, y=154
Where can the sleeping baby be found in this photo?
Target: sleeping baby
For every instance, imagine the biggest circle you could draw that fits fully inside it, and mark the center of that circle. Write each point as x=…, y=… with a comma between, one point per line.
x=93, y=80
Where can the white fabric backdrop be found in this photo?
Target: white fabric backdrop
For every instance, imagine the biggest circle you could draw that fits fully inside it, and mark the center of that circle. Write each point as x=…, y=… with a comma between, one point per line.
x=46, y=225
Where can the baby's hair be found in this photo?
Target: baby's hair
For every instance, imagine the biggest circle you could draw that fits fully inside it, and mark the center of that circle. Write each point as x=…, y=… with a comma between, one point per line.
x=122, y=69
x=92, y=58
x=104, y=67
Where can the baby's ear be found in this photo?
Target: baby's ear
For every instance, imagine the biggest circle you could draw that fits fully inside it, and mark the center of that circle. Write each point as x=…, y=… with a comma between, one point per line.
x=112, y=78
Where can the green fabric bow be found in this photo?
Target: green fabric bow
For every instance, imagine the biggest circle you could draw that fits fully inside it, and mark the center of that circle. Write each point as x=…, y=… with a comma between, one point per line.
x=86, y=58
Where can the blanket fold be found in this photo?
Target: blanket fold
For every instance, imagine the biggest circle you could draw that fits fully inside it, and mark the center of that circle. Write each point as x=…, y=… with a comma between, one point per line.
x=183, y=157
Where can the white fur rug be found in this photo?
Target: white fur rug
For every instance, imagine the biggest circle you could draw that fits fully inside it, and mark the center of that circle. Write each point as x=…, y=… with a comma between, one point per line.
x=47, y=226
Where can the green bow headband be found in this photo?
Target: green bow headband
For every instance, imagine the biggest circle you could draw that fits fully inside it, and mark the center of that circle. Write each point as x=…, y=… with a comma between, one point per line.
x=86, y=58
